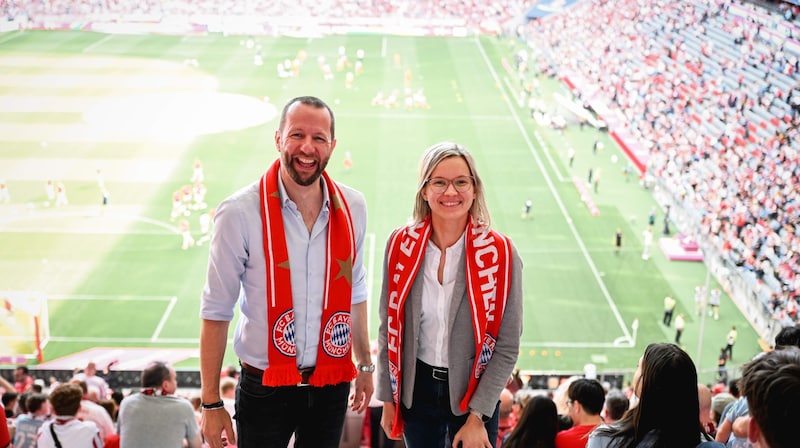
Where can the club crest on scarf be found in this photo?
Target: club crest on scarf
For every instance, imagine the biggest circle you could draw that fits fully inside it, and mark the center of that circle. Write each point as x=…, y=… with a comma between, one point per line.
x=487, y=349
x=283, y=334
x=336, y=336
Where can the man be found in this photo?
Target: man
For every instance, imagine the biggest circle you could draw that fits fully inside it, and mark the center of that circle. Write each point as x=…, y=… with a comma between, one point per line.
x=23, y=381
x=506, y=419
x=93, y=412
x=771, y=384
x=647, y=243
x=66, y=430
x=680, y=325
x=585, y=402
x=156, y=417
x=704, y=398
x=730, y=339
x=616, y=405
x=89, y=375
x=28, y=424
x=304, y=312
x=735, y=424
x=714, y=302
x=699, y=299
x=669, y=309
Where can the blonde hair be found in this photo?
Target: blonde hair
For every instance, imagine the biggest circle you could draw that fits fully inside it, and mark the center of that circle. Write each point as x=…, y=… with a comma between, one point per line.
x=430, y=160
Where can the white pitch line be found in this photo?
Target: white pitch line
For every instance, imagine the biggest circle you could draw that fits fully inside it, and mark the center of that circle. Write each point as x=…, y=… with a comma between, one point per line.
x=545, y=146
x=108, y=297
x=164, y=318
x=106, y=340
x=554, y=193
x=91, y=47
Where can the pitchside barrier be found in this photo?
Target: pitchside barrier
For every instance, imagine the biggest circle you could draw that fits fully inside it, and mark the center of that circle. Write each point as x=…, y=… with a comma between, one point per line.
x=116, y=379
x=190, y=379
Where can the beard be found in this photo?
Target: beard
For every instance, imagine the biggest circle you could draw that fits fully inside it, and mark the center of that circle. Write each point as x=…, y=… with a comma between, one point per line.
x=303, y=179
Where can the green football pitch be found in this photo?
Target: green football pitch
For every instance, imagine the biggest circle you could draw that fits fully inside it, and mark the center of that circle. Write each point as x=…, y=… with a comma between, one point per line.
x=142, y=109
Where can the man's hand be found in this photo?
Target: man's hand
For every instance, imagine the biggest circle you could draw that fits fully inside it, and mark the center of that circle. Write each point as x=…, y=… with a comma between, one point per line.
x=472, y=434
x=363, y=392
x=387, y=418
x=214, y=422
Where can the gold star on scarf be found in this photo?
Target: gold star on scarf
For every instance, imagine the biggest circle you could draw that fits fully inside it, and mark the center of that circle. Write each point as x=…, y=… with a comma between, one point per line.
x=336, y=203
x=345, y=270
x=284, y=264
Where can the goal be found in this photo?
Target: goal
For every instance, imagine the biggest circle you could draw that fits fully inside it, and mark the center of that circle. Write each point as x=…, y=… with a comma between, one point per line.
x=24, y=327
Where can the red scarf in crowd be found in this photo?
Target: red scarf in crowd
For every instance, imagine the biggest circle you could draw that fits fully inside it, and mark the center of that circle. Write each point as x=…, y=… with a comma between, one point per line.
x=488, y=267
x=334, y=360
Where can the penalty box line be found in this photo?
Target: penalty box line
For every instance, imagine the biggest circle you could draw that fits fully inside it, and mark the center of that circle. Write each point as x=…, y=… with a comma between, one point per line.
x=172, y=301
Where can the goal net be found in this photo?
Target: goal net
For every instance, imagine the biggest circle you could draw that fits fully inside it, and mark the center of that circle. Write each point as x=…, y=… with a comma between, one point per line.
x=24, y=327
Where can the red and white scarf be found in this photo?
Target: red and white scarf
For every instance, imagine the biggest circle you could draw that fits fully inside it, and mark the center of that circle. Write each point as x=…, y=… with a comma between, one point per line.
x=488, y=272
x=334, y=360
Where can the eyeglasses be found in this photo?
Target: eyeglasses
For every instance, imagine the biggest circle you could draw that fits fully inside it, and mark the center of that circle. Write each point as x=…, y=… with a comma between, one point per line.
x=461, y=184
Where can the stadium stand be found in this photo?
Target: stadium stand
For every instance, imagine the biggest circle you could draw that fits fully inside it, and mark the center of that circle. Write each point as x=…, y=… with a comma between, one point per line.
x=704, y=98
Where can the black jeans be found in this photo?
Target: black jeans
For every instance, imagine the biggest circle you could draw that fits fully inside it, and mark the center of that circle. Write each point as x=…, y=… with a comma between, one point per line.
x=430, y=423
x=267, y=417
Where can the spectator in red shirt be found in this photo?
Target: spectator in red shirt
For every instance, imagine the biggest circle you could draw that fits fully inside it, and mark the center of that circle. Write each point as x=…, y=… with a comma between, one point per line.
x=23, y=381
x=5, y=437
x=585, y=402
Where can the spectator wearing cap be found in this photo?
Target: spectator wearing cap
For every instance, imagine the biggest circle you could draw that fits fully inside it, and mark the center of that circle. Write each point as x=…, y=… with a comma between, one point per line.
x=718, y=404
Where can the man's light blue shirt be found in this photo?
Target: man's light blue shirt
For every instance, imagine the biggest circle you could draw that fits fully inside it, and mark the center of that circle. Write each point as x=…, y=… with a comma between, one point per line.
x=236, y=271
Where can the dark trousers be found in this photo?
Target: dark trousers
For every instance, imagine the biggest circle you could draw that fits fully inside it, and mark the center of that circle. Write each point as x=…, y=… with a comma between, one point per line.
x=267, y=417
x=430, y=423
x=667, y=317
x=378, y=437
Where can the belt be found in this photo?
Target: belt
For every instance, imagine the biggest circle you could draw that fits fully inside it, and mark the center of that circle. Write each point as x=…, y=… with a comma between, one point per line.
x=437, y=373
x=305, y=374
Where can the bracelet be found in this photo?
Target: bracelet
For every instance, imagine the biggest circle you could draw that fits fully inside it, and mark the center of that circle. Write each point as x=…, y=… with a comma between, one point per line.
x=212, y=406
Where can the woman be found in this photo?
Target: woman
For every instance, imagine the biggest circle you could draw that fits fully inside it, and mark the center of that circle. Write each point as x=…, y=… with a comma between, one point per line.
x=451, y=308
x=667, y=414
x=536, y=427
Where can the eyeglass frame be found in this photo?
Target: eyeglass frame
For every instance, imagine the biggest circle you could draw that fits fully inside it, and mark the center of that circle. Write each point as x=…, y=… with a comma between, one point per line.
x=452, y=182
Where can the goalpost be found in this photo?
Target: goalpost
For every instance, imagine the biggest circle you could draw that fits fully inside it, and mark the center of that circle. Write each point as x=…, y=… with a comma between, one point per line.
x=24, y=326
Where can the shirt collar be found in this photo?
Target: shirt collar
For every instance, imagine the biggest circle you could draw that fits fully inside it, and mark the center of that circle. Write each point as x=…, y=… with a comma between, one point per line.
x=286, y=200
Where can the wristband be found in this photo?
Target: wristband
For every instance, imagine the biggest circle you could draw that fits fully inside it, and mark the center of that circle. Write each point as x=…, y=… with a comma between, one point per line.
x=212, y=406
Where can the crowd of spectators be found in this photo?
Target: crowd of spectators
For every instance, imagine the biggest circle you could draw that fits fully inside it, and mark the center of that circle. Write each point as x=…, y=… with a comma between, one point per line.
x=711, y=89
x=85, y=411
x=473, y=12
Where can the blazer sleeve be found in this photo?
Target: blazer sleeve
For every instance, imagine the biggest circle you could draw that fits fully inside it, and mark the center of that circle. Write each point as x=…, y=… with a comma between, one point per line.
x=383, y=388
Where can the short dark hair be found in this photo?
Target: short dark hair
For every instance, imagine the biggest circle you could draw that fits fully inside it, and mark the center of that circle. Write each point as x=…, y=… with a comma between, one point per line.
x=308, y=101
x=616, y=404
x=771, y=384
x=788, y=337
x=155, y=374
x=589, y=393
x=35, y=402
x=8, y=397
x=66, y=399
